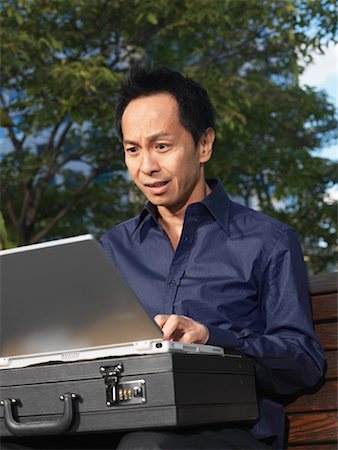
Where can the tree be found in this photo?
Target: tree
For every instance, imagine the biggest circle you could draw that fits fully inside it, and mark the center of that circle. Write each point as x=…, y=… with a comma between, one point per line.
x=63, y=59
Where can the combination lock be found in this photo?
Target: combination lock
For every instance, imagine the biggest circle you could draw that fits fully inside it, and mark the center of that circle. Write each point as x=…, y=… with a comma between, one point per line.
x=122, y=393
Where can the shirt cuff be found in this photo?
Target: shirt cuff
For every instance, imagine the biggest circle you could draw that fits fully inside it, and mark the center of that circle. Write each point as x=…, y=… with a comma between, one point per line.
x=222, y=338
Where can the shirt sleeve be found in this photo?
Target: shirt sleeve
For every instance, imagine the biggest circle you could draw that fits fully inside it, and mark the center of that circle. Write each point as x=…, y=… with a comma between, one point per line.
x=288, y=354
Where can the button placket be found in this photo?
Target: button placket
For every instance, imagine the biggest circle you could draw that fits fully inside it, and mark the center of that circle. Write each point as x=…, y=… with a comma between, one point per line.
x=179, y=263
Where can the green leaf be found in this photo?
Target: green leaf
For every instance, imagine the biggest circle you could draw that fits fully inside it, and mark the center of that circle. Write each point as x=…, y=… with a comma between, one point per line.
x=151, y=17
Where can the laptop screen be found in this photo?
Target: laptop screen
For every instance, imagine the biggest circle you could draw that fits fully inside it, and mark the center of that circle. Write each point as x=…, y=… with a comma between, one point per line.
x=66, y=294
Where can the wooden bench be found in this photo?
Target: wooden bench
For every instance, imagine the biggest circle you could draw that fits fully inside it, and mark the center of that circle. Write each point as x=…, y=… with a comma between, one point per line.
x=313, y=419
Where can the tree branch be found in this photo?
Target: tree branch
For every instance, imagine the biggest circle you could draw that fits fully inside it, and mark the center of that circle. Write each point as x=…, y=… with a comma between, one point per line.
x=68, y=206
x=13, y=218
x=25, y=202
x=266, y=186
x=221, y=57
x=63, y=135
x=50, y=142
x=31, y=215
x=15, y=141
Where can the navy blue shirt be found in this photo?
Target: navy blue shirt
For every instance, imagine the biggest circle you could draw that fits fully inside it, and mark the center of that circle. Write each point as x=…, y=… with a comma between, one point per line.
x=240, y=273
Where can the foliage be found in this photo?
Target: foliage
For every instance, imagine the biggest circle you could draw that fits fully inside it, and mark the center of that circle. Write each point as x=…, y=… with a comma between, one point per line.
x=62, y=60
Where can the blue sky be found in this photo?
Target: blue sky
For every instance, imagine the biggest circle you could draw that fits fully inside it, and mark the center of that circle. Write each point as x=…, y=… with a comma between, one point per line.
x=323, y=75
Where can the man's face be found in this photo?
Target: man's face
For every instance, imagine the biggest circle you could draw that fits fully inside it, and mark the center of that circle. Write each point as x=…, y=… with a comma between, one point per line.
x=161, y=155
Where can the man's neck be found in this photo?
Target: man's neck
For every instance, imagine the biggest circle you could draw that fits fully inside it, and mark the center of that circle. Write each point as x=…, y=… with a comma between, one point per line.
x=172, y=220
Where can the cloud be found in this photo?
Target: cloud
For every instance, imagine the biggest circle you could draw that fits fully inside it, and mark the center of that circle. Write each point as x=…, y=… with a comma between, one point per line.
x=332, y=195
x=322, y=69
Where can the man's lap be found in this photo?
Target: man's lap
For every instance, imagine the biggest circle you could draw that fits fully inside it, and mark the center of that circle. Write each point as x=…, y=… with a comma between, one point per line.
x=197, y=438
x=191, y=439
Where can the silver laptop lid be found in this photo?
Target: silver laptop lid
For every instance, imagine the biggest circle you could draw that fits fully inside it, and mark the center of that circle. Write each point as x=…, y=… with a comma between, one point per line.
x=63, y=295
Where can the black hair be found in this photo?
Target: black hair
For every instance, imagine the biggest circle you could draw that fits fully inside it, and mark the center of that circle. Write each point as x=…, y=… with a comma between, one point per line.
x=196, y=112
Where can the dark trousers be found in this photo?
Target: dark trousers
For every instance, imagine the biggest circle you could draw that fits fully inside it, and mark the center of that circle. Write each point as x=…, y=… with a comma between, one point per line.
x=197, y=438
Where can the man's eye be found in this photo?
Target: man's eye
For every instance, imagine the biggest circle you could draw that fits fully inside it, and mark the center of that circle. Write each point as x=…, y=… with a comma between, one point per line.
x=161, y=146
x=131, y=150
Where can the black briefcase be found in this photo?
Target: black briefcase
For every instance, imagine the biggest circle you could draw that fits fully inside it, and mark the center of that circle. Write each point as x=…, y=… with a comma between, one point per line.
x=126, y=393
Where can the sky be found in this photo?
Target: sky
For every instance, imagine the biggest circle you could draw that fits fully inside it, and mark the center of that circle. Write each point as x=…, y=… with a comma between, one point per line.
x=323, y=75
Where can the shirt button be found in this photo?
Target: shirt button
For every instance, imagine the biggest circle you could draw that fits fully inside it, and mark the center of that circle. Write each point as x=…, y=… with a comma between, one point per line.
x=172, y=283
x=186, y=238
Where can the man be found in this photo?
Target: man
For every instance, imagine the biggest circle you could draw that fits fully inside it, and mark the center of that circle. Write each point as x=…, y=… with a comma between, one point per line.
x=209, y=270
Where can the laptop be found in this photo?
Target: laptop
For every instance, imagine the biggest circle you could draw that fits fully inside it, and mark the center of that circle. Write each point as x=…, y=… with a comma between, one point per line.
x=64, y=300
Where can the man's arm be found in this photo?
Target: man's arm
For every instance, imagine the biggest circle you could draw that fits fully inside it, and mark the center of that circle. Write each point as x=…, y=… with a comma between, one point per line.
x=288, y=353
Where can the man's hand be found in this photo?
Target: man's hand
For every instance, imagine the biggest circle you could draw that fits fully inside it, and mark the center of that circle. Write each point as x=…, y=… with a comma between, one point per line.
x=182, y=329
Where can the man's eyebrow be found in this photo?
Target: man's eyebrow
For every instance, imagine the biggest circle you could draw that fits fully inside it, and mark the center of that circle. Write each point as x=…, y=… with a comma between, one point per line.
x=161, y=134
x=150, y=138
x=127, y=141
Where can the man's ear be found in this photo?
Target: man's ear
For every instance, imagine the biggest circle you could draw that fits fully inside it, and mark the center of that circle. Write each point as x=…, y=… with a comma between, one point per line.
x=205, y=144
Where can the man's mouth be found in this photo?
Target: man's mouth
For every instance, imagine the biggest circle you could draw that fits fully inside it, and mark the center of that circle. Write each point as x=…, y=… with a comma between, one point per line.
x=157, y=187
x=157, y=184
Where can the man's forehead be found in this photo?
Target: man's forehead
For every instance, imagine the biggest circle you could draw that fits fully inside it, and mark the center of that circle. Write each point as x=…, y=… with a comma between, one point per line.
x=152, y=137
x=150, y=116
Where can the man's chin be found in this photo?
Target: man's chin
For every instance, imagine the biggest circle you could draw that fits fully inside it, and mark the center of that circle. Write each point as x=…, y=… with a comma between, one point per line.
x=159, y=200
x=155, y=200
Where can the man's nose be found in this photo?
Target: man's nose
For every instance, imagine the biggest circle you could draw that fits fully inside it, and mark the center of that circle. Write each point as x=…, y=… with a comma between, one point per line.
x=149, y=163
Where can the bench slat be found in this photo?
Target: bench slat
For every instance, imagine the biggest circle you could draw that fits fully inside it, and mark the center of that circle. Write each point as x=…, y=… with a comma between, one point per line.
x=328, y=335
x=332, y=446
x=324, y=307
x=311, y=428
x=332, y=364
x=323, y=283
x=325, y=399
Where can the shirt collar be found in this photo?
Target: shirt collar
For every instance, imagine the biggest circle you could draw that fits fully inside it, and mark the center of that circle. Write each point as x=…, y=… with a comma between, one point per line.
x=217, y=203
x=149, y=211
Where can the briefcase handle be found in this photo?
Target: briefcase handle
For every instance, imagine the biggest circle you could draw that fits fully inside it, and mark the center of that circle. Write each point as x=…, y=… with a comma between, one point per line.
x=38, y=428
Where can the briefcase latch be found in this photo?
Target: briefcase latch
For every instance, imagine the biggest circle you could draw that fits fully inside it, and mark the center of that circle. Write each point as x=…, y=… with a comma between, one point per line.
x=122, y=393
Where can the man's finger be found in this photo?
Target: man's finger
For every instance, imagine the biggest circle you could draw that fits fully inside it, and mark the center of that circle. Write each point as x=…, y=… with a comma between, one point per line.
x=173, y=328
x=161, y=319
